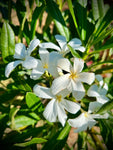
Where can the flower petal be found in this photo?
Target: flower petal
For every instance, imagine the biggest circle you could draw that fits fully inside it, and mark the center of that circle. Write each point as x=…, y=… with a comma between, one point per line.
x=78, y=122
x=33, y=44
x=30, y=62
x=20, y=50
x=50, y=112
x=61, y=41
x=80, y=48
x=64, y=64
x=98, y=116
x=93, y=91
x=75, y=42
x=44, y=55
x=87, y=77
x=60, y=84
x=100, y=79
x=94, y=107
x=103, y=91
x=70, y=106
x=102, y=99
x=38, y=71
x=42, y=92
x=53, y=58
x=49, y=45
x=78, y=90
x=61, y=114
x=78, y=65
x=11, y=66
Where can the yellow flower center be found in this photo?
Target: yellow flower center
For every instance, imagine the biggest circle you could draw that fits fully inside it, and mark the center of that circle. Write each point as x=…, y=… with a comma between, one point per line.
x=73, y=75
x=45, y=66
x=86, y=114
x=58, y=98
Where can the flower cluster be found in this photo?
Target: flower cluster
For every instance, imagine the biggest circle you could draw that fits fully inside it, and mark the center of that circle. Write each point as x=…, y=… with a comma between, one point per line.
x=67, y=89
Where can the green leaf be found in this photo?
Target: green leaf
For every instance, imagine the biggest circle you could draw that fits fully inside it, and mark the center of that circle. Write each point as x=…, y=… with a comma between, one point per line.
x=106, y=107
x=23, y=121
x=58, y=19
x=105, y=21
x=31, y=142
x=12, y=114
x=7, y=41
x=58, y=140
x=73, y=52
x=98, y=9
x=34, y=102
x=106, y=131
x=73, y=16
x=107, y=45
x=36, y=14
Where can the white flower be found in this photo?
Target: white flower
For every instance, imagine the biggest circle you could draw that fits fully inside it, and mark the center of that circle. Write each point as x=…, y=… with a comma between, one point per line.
x=24, y=57
x=55, y=109
x=73, y=78
x=48, y=62
x=87, y=120
x=63, y=49
x=99, y=91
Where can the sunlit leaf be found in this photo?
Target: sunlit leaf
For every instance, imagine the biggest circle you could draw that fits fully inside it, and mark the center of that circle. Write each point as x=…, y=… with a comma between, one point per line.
x=58, y=19
x=7, y=41
x=31, y=142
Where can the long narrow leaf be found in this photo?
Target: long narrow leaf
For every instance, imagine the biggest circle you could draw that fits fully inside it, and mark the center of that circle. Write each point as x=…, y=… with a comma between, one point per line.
x=7, y=42
x=58, y=18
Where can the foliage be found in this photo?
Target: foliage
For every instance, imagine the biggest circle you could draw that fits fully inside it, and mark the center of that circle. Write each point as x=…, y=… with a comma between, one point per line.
x=23, y=124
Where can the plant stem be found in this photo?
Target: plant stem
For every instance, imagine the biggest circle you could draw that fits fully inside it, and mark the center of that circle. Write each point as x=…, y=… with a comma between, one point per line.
x=96, y=140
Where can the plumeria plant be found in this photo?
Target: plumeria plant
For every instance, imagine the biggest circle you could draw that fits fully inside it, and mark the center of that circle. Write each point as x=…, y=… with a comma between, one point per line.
x=56, y=78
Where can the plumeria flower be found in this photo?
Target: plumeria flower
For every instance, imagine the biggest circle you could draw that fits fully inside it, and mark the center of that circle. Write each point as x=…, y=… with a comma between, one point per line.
x=48, y=61
x=63, y=49
x=55, y=109
x=99, y=91
x=73, y=78
x=87, y=119
x=24, y=57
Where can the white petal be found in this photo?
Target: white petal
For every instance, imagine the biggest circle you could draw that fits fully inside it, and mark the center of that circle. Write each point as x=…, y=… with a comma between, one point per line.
x=78, y=90
x=78, y=122
x=75, y=43
x=20, y=51
x=94, y=107
x=64, y=64
x=33, y=44
x=98, y=116
x=70, y=106
x=50, y=112
x=93, y=91
x=49, y=45
x=87, y=77
x=91, y=123
x=61, y=41
x=78, y=65
x=44, y=55
x=30, y=62
x=80, y=48
x=38, y=71
x=42, y=92
x=60, y=84
x=61, y=114
x=82, y=128
x=53, y=58
x=64, y=93
x=36, y=74
x=102, y=99
x=103, y=91
x=9, y=68
x=100, y=79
